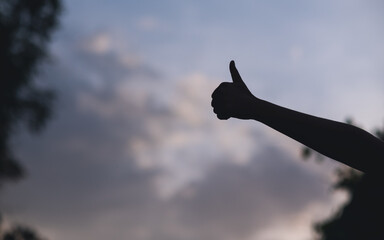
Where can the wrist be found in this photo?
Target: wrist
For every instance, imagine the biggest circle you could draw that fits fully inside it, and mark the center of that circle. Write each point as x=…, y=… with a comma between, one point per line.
x=258, y=108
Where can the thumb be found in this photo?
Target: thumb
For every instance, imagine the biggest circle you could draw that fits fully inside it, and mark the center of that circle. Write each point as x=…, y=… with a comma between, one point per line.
x=236, y=78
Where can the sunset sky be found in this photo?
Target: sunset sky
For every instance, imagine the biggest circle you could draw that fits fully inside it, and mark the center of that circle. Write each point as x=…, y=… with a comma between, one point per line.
x=134, y=150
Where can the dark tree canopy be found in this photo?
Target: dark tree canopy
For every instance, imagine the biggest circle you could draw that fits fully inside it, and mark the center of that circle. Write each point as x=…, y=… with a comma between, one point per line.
x=21, y=233
x=25, y=29
x=360, y=217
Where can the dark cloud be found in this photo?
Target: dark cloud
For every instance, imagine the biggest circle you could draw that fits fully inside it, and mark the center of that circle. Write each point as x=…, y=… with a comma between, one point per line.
x=234, y=202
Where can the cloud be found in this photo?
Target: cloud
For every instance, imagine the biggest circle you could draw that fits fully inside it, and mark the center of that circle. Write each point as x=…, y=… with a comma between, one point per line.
x=98, y=44
x=80, y=164
x=189, y=139
x=240, y=201
x=148, y=23
x=130, y=155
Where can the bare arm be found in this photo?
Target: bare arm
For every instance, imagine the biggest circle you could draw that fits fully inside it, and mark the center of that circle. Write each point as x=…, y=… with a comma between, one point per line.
x=339, y=141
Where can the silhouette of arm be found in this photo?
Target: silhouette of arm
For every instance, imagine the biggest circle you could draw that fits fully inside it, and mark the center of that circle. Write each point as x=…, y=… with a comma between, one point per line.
x=339, y=141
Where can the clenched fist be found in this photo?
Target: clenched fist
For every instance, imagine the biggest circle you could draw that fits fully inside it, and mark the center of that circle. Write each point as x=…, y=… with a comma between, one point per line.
x=233, y=99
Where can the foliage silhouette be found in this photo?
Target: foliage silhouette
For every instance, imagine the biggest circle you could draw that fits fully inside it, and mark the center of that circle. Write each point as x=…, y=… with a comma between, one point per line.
x=21, y=233
x=360, y=217
x=25, y=30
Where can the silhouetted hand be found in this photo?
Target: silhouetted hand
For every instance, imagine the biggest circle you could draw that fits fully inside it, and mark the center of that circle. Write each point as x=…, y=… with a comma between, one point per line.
x=233, y=99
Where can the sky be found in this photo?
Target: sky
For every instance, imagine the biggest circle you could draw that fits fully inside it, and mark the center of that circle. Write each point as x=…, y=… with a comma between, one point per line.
x=134, y=151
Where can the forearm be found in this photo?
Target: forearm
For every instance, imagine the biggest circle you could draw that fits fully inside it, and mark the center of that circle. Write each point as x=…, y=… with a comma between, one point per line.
x=339, y=141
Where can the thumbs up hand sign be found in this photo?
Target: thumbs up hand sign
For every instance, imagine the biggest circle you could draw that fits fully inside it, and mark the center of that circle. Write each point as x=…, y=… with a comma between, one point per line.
x=233, y=99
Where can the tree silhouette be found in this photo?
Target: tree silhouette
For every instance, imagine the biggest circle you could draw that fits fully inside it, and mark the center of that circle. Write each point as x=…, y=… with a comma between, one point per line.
x=21, y=233
x=361, y=216
x=25, y=30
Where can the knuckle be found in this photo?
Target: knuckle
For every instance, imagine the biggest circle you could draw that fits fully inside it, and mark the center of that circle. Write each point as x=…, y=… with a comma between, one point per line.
x=215, y=102
x=225, y=85
x=222, y=89
x=222, y=117
x=218, y=110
